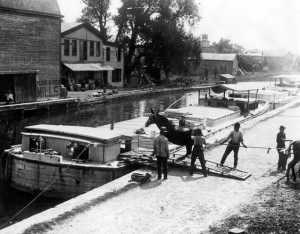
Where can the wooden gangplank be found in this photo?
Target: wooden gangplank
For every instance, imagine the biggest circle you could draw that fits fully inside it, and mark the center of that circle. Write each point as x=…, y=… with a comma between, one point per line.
x=226, y=171
x=213, y=168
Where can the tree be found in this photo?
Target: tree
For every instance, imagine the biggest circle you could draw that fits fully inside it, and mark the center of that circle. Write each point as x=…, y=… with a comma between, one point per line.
x=224, y=46
x=245, y=63
x=96, y=14
x=152, y=31
x=171, y=53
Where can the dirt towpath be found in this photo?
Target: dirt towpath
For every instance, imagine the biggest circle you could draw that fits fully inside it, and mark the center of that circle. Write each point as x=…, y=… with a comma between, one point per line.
x=185, y=204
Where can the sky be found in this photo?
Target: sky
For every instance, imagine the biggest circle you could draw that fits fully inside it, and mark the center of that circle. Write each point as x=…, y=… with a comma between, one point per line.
x=253, y=24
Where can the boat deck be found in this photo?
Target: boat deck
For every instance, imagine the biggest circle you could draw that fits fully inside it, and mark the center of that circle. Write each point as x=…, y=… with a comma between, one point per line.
x=128, y=131
x=212, y=116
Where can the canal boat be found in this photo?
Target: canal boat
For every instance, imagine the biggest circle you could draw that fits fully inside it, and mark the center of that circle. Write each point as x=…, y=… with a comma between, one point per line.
x=217, y=106
x=287, y=83
x=63, y=161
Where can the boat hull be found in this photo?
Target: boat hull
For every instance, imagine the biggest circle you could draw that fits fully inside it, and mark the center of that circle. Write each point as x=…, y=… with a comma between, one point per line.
x=58, y=180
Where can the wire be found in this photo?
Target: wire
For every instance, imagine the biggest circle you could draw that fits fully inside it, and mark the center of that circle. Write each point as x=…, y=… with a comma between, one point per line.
x=42, y=190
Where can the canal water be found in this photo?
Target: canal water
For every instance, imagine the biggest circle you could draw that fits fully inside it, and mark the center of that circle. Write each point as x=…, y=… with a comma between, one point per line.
x=12, y=201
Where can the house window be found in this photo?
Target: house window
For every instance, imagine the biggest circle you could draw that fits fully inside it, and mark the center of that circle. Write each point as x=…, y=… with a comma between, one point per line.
x=98, y=51
x=119, y=54
x=116, y=75
x=92, y=48
x=85, y=51
x=74, y=48
x=66, y=48
x=107, y=53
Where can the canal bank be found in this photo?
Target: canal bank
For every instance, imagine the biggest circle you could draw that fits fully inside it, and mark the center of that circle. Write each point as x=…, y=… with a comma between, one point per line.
x=81, y=99
x=185, y=204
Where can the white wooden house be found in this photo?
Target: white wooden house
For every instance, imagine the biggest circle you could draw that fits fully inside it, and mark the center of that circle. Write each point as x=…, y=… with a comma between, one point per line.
x=87, y=59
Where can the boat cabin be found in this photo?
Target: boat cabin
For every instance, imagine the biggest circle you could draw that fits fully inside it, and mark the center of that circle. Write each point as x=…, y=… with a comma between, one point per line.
x=54, y=143
x=238, y=99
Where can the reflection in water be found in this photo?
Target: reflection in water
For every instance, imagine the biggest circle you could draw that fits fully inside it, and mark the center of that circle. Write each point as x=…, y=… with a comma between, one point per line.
x=12, y=201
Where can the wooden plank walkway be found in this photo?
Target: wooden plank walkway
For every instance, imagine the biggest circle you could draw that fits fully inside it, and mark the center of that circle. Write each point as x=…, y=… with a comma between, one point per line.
x=143, y=158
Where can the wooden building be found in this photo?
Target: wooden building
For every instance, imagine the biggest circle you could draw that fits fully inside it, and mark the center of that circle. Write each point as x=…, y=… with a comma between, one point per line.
x=224, y=63
x=214, y=64
x=87, y=59
x=29, y=49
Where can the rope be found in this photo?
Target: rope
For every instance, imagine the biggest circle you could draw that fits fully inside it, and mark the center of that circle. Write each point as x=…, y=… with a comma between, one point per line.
x=178, y=100
x=41, y=191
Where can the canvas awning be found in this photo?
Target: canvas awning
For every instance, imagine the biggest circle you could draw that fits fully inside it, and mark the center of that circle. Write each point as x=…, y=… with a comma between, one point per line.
x=234, y=87
x=88, y=67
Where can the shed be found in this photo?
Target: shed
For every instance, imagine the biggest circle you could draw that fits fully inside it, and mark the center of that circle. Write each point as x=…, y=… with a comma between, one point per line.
x=227, y=78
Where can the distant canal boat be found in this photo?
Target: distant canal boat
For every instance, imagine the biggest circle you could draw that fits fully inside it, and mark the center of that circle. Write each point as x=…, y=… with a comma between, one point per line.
x=63, y=161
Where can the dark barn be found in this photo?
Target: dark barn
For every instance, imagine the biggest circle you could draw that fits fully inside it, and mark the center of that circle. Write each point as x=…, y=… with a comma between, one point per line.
x=29, y=50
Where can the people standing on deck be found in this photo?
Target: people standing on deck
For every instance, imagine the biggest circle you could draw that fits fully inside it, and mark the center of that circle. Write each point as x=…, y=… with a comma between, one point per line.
x=235, y=137
x=161, y=150
x=199, y=143
x=280, y=139
x=291, y=165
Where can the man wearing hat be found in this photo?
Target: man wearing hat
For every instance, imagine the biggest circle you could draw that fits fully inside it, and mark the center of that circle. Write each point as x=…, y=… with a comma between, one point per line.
x=280, y=139
x=161, y=150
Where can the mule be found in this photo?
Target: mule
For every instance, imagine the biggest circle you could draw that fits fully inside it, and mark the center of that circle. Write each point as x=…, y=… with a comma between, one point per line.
x=175, y=134
x=291, y=166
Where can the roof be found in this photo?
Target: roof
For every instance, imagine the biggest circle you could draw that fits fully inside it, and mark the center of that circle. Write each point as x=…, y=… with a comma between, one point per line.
x=274, y=53
x=236, y=87
x=67, y=26
x=218, y=57
x=88, y=66
x=78, y=131
x=253, y=53
x=45, y=7
x=227, y=76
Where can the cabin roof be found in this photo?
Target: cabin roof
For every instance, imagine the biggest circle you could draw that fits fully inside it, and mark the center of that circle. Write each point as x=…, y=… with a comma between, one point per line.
x=227, y=76
x=78, y=131
x=236, y=87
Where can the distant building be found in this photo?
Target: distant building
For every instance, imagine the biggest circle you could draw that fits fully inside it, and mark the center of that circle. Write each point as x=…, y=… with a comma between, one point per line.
x=224, y=63
x=214, y=64
x=30, y=49
x=87, y=59
x=255, y=55
x=205, y=45
x=275, y=58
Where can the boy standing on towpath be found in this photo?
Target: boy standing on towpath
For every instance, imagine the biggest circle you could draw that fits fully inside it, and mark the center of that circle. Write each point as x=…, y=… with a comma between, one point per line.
x=236, y=137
